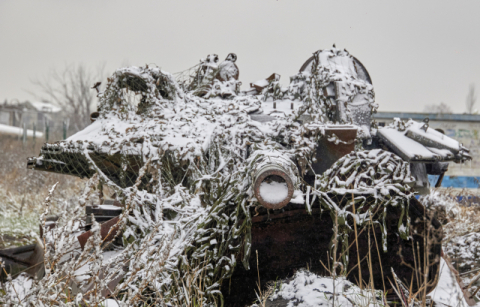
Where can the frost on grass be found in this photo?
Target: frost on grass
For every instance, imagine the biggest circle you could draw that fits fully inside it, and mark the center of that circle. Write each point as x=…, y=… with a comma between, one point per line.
x=22, y=193
x=461, y=244
x=16, y=229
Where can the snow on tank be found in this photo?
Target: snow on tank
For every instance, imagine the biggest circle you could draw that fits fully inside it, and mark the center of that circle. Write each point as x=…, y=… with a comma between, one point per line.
x=201, y=164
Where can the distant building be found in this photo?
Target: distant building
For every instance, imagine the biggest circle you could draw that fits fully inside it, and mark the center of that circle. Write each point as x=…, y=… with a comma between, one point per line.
x=464, y=128
x=16, y=113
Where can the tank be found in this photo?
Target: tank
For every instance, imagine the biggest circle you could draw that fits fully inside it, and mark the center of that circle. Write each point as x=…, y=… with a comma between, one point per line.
x=257, y=183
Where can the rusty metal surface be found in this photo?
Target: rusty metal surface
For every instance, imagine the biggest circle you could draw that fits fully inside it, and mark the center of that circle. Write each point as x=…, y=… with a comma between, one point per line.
x=260, y=88
x=292, y=240
x=329, y=152
x=273, y=172
x=108, y=231
x=289, y=240
x=281, y=215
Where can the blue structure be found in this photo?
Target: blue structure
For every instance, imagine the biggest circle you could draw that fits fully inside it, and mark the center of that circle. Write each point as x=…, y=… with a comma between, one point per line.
x=469, y=182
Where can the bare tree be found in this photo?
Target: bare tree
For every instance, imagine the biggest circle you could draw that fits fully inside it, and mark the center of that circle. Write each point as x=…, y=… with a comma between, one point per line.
x=71, y=89
x=471, y=98
x=441, y=108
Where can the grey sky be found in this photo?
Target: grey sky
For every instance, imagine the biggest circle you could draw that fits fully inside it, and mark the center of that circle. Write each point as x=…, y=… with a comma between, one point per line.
x=417, y=52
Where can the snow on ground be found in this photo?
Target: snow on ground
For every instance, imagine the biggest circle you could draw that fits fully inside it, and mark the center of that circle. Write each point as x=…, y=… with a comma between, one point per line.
x=461, y=229
x=16, y=229
x=448, y=292
x=464, y=253
x=82, y=273
x=11, y=130
x=19, y=286
x=308, y=289
x=110, y=303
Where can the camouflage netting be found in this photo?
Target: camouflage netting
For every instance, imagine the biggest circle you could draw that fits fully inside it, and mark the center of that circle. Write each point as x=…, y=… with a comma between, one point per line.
x=371, y=181
x=182, y=164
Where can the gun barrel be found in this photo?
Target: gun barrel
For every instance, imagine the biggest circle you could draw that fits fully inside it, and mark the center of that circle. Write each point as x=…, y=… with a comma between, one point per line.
x=273, y=186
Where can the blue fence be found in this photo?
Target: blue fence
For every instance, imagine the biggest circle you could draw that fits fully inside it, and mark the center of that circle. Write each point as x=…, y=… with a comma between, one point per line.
x=469, y=182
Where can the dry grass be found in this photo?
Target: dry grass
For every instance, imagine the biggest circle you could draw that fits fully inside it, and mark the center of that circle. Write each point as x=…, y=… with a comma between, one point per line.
x=23, y=191
x=461, y=225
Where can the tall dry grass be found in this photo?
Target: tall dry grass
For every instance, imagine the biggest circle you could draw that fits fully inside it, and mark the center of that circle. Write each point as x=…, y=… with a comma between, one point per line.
x=461, y=225
x=23, y=191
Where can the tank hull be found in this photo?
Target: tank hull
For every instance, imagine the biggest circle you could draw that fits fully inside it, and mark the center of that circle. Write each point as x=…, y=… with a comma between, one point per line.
x=286, y=241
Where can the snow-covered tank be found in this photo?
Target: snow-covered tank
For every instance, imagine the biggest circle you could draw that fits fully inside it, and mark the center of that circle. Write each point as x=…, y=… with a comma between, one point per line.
x=275, y=177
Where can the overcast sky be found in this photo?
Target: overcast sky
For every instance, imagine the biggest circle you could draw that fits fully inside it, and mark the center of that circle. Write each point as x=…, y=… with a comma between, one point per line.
x=417, y=52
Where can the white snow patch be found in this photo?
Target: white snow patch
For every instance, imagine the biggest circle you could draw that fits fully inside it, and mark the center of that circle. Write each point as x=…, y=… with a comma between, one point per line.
x=410, y=148
x=297, y=197
x=307, y=289
x=110, y=303
x=110, y=207
x=448, y=291
x=82, y=273
x=11, y=130
x=96, y=126
x=20, y=286
x=273, y=192
x=434, y=136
